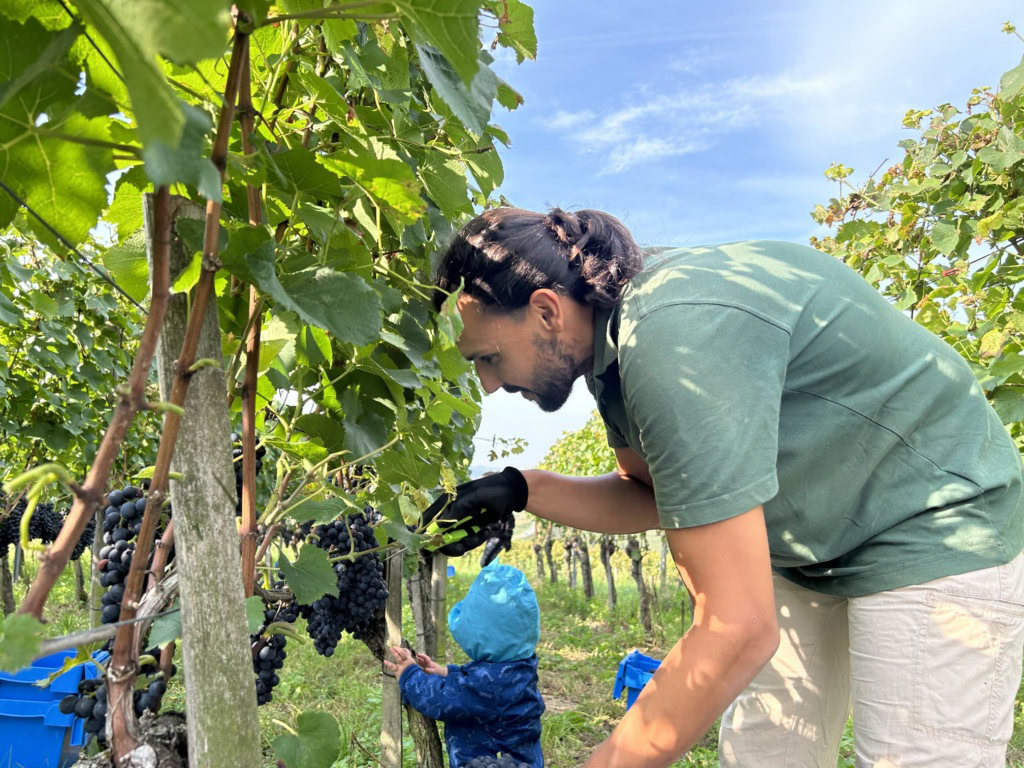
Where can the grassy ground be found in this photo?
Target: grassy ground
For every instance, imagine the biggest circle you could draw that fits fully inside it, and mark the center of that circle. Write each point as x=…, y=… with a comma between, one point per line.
x=581, y=645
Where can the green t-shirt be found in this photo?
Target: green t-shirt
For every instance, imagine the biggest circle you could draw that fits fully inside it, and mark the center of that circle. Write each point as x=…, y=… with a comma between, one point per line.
x=770, y=373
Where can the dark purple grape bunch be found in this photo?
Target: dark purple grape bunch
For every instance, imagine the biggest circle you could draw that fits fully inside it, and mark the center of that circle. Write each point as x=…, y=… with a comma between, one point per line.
x=44, y=525
x=504, y=761
x=268, y=654
x=122, y=521
x=90, y=703
x=499, y=537
x=362, y=591
x=236, y=462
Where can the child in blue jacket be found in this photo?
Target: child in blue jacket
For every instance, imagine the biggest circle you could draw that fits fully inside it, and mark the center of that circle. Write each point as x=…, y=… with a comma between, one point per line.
x=492, y=704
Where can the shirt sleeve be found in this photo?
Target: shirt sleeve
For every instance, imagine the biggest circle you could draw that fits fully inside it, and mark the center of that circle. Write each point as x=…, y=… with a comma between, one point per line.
x=703, y=385
x=453, y=697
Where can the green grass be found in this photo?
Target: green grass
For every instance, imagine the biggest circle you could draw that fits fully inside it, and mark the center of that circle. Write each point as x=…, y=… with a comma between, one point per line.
x=581, y=645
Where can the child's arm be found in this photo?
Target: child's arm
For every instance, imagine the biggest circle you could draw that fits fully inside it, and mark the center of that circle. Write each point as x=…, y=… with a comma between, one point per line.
x=455, y=696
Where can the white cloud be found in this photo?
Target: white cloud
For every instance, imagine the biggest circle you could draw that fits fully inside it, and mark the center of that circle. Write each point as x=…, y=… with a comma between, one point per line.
x=687, y=120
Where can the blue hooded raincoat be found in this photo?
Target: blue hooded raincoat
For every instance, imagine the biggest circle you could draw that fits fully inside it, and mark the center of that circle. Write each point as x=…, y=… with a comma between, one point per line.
x=492, y=704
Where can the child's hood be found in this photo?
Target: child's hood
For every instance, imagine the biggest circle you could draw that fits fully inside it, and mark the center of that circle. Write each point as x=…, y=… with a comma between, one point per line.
x=498, y=619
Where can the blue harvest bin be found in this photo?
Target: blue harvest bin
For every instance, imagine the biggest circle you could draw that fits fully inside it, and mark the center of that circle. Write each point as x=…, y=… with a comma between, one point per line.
x=33, y=732
x=33, y=735
x=451, y=571
x=635, y=670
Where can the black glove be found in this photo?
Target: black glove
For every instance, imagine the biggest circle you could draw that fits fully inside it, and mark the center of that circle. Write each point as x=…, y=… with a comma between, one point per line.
x=482, y=502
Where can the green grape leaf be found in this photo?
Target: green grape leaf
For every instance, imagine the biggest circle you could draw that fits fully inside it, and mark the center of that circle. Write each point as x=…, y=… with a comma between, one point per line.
x=156, y=109
x=515, y=27
x=945, y=236
x=486, y=168
x=48, y=12
x=449, y=25
x=52, y=56
x=254, y=613
x=324, y=510
x=508, y=96
x=322, y=428
x=187, y=161
x=390, y=182
x=125, y=210
x=397, y=465
x=20, y=636
x=1011, y=83
x=167, y=628
x=297, y=171
x=472, y=103
x=1008, y=402
x=316, y=744
x=445, y=182
x=311, y=577
x=340, y=303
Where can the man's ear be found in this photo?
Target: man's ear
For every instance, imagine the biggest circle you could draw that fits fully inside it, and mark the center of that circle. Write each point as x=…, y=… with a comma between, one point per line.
x=547, y=309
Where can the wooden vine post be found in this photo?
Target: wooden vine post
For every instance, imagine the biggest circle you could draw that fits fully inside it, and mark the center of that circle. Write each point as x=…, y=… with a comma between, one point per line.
x=391, y=695
x=439, y=605
x=223, y=726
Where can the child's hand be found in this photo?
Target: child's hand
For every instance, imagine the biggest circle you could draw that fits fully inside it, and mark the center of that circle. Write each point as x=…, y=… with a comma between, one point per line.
x=403, y=660
x=430, y=666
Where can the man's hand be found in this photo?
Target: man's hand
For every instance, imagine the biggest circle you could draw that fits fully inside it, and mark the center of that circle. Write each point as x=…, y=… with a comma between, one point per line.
x=478, y=503
x=402, y=661
x=430, y=666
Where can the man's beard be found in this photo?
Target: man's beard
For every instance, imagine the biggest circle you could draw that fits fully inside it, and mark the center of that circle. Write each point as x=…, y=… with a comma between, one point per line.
x=556, y=371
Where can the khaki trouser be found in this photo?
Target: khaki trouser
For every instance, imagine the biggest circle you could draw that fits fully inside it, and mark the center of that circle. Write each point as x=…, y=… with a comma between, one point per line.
x=932, y=671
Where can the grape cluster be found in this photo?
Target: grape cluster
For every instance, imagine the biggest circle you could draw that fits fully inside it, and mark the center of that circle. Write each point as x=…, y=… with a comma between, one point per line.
x=293, y=537
x=362, y=591
x=268, y=655
x=122, y=521
x=496, y=762
x=88, y=534
x=499, y=537
x=44, y=525
x=236, y=462
x=90, y=703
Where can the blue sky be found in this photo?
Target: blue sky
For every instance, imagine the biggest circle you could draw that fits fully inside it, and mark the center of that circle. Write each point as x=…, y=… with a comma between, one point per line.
x=700, y=122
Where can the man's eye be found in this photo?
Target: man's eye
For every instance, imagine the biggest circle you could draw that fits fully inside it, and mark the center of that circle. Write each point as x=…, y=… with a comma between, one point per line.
x=489, y=359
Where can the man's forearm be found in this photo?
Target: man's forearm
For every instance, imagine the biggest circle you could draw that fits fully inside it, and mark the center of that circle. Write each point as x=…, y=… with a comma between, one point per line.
x=609, y=503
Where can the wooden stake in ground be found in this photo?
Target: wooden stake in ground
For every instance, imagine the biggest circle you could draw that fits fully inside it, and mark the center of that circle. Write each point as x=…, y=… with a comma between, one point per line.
x=607, y=550
x=220, y=700
x=636, y=556
x=549, y=542
x=586, y=572
x=6, y=585
x=96, y=589
x=419, y=585
x=439, y=605
x=391, y=696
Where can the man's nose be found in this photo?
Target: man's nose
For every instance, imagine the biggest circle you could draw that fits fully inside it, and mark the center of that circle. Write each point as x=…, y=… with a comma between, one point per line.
x=488, y=380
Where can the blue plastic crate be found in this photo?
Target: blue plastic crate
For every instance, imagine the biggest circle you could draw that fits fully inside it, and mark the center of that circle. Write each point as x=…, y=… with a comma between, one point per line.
x=635, y=671
x=34, y=734
x=21, y=685
x=451, y=571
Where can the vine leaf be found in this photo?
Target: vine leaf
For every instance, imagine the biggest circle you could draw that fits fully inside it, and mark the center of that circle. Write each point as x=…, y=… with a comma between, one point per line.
x=311, y=577
x=472, y=103
x=20, y=636
x=185, y=161
x=315, y=745
x=390, y=182
x=325, y=510
x=167, y=628
x=157, y=110
x=126, y=263
x=515, y=22
x=445, y=182
x=254, y=612
x=449, y=25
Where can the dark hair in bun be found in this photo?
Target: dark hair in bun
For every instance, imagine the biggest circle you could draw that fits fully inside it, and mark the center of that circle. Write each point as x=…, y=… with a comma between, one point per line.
x=506, y=254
